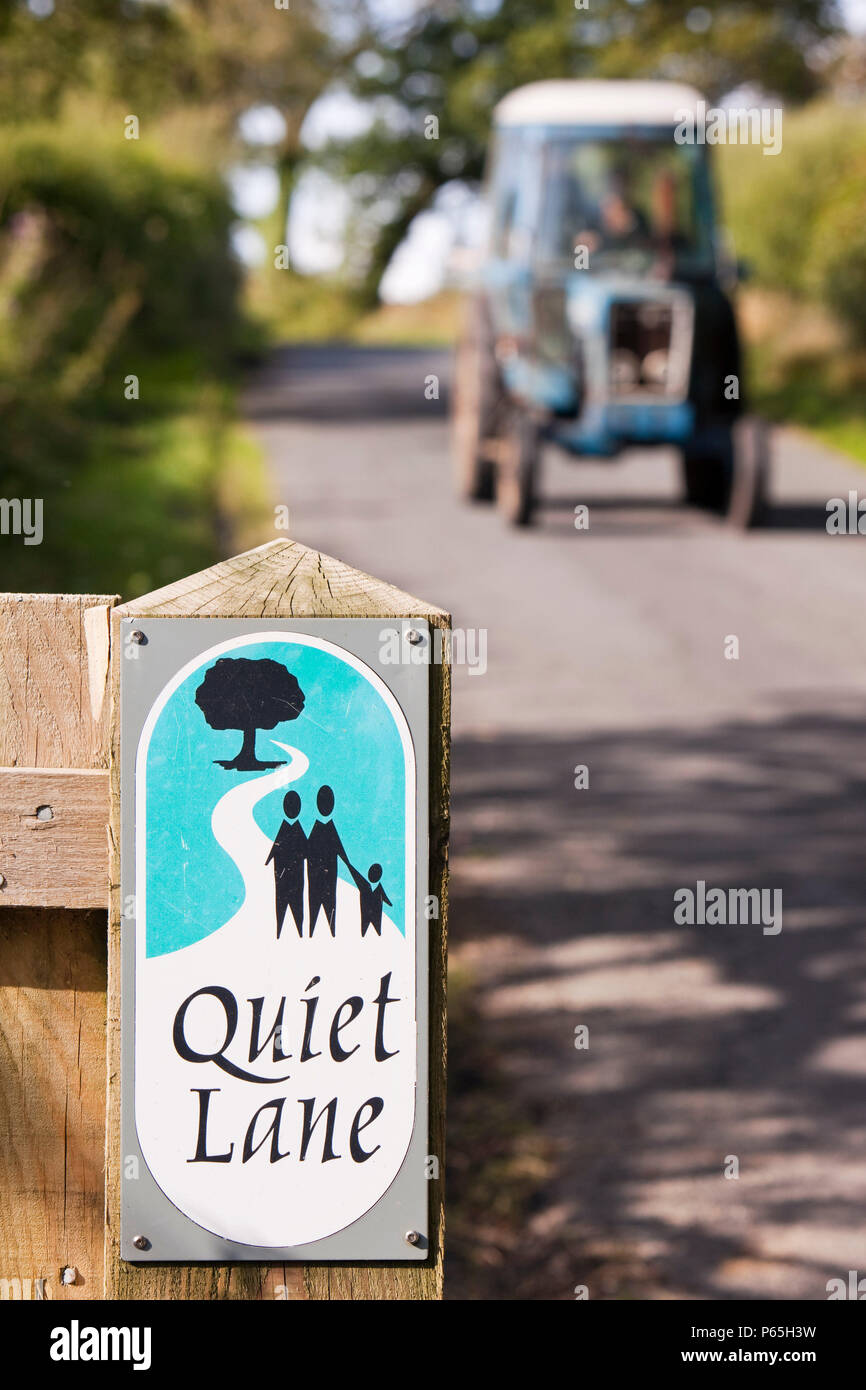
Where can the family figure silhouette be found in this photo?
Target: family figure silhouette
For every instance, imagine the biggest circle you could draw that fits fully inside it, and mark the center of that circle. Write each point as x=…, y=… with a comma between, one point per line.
x=320, y=852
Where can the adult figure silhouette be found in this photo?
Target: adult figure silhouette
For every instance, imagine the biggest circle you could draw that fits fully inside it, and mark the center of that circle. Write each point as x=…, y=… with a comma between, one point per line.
x=324, y=848
x=289, y=852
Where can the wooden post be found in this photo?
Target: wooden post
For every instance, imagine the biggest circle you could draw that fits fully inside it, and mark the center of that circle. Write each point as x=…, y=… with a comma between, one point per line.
x=286, y=580
x=53, y=862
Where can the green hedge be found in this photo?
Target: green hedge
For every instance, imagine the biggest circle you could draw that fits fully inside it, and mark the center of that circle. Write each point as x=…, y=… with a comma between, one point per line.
x=107, y=251
x=799, y=218
x=837, y=265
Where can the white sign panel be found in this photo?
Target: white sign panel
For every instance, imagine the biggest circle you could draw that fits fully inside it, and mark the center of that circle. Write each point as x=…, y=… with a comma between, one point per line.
x=274, y=1049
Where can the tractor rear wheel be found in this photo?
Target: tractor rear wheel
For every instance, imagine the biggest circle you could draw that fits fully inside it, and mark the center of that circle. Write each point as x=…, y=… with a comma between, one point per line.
x=729, y=473
x=518, y=469
x=476, y=401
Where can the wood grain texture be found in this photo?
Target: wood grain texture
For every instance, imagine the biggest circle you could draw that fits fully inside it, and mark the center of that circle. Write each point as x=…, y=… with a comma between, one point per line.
x=287, y=580
x=97, y=630
x=46, y=717
x=282, y=579
x=52, y=968
x=61, y=861
x=52, y=1098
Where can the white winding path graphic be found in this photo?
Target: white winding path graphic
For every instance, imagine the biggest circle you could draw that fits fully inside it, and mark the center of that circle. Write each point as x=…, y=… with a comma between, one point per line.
x=235, y=830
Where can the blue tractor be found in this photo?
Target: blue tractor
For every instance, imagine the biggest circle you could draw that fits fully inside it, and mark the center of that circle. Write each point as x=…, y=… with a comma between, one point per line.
x=601, y=318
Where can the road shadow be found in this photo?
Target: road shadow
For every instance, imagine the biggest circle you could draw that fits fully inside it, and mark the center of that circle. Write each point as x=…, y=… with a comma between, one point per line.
x=707, y=1043
x=783, y=516
x=799, y=516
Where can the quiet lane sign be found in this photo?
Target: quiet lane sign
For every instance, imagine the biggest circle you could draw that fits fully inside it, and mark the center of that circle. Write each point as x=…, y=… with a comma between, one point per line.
x=274, y=881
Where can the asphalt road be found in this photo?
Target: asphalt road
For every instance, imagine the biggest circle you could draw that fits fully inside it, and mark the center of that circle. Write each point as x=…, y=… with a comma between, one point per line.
x=606, y=648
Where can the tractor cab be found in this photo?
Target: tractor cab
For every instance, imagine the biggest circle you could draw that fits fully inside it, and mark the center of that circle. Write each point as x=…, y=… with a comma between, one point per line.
x=601, y=317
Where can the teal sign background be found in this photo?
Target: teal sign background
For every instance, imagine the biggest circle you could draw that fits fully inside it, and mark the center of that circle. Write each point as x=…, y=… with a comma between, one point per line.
x=353, y=745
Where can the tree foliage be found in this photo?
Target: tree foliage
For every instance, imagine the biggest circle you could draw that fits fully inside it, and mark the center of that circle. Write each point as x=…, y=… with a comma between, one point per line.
x=115, y=248
x=456, y=60
x=217, y=55
x=799, y=219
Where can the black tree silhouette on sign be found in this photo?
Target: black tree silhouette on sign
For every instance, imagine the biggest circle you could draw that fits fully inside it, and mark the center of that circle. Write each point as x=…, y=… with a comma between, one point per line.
x=241, y=693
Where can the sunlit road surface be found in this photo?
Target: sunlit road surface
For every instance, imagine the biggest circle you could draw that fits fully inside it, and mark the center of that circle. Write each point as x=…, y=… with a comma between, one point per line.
x=606, y=648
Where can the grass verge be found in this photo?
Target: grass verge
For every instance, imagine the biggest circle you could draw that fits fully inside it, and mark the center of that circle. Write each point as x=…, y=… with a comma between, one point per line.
x=140, y=493
x=803, y=371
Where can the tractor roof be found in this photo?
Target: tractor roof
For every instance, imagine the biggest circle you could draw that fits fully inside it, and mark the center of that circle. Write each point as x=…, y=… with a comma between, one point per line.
x=597, y=103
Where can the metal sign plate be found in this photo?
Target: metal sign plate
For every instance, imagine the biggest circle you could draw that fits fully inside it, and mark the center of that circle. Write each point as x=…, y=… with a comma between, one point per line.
x=274, y=939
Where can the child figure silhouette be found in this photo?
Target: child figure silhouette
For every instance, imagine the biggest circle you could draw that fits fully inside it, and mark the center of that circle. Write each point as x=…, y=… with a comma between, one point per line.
x=371, y=898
